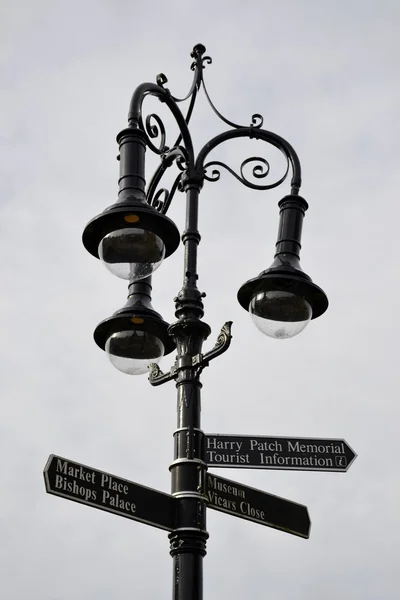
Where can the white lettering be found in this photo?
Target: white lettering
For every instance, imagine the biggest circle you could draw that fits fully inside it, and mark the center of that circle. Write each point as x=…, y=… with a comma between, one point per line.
x=267, y=446
x=248, y=510
x=115, y=501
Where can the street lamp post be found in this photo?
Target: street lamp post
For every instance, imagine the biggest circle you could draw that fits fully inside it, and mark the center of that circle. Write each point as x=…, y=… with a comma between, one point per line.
x=134, y=235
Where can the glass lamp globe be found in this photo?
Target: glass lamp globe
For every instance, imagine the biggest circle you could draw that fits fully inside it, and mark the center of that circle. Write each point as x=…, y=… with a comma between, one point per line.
x=131, y=253
x=132, y=351
x=280, y=314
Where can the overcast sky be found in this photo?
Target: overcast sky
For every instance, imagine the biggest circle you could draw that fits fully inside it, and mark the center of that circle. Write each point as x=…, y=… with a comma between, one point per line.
x=325, y=75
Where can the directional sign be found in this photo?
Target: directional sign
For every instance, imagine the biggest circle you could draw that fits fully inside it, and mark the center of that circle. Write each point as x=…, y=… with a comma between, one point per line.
x=101, y=490
x=259, y=452
x=254, y=505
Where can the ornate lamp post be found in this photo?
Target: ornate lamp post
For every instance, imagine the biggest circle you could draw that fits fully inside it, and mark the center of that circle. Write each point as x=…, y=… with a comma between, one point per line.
x=134, y=235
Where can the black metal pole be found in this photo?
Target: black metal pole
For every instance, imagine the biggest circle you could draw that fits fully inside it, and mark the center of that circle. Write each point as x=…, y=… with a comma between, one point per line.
x=188, y=471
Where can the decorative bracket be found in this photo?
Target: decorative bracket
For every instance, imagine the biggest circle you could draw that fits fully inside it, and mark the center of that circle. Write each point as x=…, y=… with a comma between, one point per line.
x=157, y=376
x=221, y=345
x=199, y=361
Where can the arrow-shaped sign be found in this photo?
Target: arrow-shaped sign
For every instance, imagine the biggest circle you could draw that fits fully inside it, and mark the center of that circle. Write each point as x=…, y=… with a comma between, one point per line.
x=102, y=490
x=254, y=505
x=260, y=452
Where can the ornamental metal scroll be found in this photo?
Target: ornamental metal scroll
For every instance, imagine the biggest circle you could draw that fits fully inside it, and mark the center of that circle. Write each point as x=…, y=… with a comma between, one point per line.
x=181, y=152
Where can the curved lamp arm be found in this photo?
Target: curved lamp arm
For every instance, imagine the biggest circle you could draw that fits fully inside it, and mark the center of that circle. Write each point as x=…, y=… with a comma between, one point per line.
x=253, y=133
x=164, y=95
x=135, y=116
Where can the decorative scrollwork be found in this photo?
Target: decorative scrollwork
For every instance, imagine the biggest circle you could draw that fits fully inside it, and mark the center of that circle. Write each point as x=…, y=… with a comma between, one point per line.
x=161, y=79
x=154, y=371
x=154, y=131
x=259, y=171
x=156, y=202
x=225, y=335
x=162, y=199
x=257, y=120
x=157, y=377
x=197, y=66
x=205, y=60
x=182, y=162
x=156, y=136
x=197, y=54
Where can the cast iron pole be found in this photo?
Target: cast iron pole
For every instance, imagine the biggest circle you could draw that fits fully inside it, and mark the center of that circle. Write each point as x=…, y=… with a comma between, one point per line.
x=188, y=540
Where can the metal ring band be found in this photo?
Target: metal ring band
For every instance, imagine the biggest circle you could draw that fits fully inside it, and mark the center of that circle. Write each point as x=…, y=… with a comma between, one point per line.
x=188, y=495
x=180, y=461
x=188, y=429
